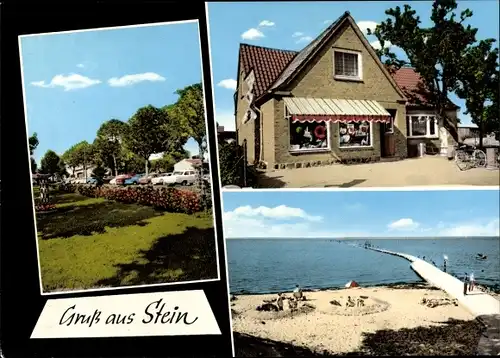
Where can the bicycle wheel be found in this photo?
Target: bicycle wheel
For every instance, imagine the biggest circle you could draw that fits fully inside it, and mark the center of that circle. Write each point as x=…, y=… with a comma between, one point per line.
x=462, y=160
x=479, y=158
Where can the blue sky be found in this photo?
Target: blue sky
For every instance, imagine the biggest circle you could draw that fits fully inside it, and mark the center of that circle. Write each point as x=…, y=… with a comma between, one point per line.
x=275, y=24
x=76, y=81
x=345, y=213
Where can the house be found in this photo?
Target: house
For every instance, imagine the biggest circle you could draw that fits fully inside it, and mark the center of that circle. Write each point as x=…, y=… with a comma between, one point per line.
x=187, y=164
x=224, y=135
x=332, y=102
x=79, y=172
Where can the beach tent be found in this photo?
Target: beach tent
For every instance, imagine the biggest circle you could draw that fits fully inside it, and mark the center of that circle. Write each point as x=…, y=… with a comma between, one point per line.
x=351, y=284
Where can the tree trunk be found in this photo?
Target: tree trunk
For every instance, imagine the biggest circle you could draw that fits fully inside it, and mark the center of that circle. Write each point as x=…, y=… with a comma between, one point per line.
x=146, y=171
x=114, y=163
x=481, y=134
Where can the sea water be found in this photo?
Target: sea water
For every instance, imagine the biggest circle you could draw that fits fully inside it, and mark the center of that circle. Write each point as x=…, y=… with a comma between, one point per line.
x=272, y=265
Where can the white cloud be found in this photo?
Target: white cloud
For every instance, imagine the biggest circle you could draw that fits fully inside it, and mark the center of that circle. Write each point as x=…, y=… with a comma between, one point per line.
x=278, y=222
x=68, y=82
x=405, y=224
x=490, y=228
x=80, y=65
x=376, y=44
x=225, y=118
x=365, y=25
x=266, y=23
x=129, y=80
x=252, y=34
x=304, y=39
x=327, y=22
x=281, y=212
x=298, y=34
x=228, y=83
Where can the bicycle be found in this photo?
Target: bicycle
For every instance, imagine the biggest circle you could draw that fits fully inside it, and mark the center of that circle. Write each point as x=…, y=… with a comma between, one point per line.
x=469, y=157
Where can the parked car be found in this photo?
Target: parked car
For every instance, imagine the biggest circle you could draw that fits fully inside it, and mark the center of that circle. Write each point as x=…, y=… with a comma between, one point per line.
x=147, y=179
x=120, y=179
x=160, y=178
x=107, y=179
x=133, y=180
x=186, y=177
x=91, y=181
x=112, y=181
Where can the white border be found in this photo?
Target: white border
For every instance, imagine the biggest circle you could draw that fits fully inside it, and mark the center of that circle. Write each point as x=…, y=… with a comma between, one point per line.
x=29, y=160
x=220, y=182
x=389, y=188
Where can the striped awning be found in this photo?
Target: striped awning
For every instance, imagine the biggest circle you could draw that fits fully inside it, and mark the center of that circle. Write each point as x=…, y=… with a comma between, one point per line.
x=335, y=110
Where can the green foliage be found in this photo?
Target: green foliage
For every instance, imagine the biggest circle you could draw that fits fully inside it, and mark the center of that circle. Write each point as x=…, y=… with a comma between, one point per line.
x=435, y=52
x=50, y=163
x=478, y=85
x=190, y=111
x=108, y=142
x=33, y=143
x=98, y=174
x=79, y=154
x=232, y=166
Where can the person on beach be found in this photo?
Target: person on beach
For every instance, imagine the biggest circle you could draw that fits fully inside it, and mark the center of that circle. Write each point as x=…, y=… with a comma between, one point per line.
x=279, y=301
x=444, y=264
x=466, y=284
x=297, y=292
x=471, y=282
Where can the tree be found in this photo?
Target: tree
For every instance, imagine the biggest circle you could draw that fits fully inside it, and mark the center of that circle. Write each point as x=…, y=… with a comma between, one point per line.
x=108, y=143
x=435, y=52
x=50, y=163
x=150, y=131
x=33, y=142
x=80, y=154
x=190, y=111
x=478, y=85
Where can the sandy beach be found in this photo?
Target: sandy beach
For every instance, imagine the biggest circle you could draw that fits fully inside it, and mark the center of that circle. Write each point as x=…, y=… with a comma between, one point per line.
x=323, y=327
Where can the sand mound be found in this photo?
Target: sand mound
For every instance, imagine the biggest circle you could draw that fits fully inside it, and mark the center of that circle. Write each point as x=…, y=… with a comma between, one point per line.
x=303, y=308
x=338, y=306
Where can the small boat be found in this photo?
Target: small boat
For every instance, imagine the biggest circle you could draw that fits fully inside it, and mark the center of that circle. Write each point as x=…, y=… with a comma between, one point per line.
x=481, y=257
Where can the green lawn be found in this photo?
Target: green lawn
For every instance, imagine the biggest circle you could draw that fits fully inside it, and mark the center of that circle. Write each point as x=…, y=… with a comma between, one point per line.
x=93, y=243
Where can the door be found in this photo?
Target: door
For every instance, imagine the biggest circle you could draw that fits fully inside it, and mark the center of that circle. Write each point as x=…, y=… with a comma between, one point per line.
x=387, y=142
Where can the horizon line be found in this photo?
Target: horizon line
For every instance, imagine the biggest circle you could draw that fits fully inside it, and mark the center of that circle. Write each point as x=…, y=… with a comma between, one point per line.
x=363, y=237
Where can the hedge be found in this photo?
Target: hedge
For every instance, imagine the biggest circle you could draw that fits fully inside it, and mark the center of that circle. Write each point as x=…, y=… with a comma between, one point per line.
x=169, y=199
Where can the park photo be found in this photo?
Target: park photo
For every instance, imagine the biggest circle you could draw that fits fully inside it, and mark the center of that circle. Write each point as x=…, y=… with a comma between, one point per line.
x=344, y=98
x=119, y=157
x=364, y=273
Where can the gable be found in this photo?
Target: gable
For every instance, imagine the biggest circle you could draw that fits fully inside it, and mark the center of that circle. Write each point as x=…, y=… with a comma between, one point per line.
x=317, y=77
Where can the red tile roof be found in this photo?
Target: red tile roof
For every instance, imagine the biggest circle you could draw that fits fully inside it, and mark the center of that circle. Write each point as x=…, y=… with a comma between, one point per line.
x=269, y=63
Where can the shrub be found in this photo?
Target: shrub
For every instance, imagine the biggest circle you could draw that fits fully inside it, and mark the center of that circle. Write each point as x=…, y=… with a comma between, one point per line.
x=232, y=166
x=44, y=207
x=169, y=199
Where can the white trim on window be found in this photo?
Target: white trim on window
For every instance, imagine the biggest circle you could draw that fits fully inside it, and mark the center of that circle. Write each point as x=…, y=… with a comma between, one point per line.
x=356, y=146
x=430, y=119
x=359, y=77
x=328, y=147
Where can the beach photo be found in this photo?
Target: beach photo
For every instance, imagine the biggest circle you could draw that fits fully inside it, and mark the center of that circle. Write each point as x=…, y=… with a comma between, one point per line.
x=365, y=272
x=343, y=97
x=119, y=157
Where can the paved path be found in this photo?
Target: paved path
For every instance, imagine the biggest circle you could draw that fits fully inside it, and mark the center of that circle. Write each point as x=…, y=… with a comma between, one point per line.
x=427, y=171
x=483, y=306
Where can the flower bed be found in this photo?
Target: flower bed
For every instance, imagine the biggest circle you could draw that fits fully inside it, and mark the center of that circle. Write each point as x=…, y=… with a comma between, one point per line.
x=44, y=208
x=169, y=199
